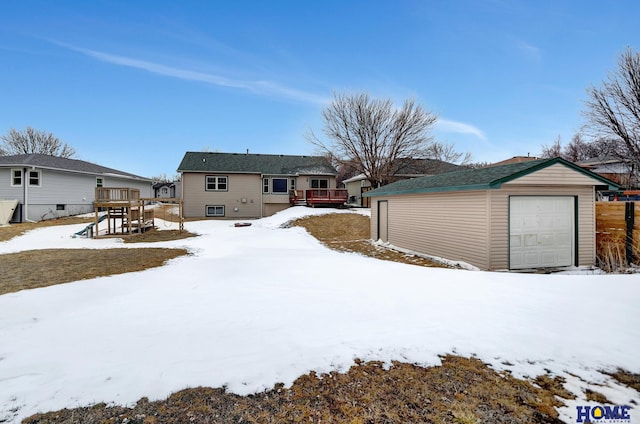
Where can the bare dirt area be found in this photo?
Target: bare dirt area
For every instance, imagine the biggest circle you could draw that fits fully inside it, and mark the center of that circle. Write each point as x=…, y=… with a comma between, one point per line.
x=14, y=230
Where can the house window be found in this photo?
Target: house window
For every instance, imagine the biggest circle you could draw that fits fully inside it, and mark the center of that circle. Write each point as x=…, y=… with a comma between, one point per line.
x=279, y=185
x=319, y=183
x=216, y=183
x=215, y=210
x=265, y=185
x=293, y=184
x=16, y=177
x=59, y=207
x=34, y=178
x=98, y=182
x=165, y=190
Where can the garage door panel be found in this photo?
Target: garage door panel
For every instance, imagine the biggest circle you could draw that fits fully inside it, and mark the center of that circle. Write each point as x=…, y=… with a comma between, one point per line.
x=541, y=231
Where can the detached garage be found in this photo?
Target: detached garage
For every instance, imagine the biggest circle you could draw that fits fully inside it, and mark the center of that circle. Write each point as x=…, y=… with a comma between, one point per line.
x=536, y=214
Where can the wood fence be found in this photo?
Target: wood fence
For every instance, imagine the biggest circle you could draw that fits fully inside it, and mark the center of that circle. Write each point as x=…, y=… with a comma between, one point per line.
x=618, y=230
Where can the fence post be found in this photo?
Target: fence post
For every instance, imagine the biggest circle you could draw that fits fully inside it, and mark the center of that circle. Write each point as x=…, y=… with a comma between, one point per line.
x=629, y=219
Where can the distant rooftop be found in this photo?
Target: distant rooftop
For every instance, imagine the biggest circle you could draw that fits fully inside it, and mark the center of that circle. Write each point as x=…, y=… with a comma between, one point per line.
x=63, y=164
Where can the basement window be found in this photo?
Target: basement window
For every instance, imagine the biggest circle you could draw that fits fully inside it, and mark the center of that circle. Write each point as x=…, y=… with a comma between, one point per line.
x=60, y=207
x=215, y=210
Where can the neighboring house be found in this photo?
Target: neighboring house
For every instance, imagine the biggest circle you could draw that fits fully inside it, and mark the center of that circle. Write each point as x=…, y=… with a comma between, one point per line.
x=167, y=189
x=239, y=185
x=534, y=214
x=408, y=168
x=49, y=187
x=615, y=169
x=515, y=159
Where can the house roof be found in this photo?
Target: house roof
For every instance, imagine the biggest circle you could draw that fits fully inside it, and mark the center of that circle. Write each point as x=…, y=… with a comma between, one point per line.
x=415, y=167
x=477, y=179
x=515, y=159
x=63, y=164
x=242, y=163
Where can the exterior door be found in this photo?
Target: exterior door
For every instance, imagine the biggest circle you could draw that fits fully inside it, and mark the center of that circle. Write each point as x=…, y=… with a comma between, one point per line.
x=383, y=220
x=541, y=231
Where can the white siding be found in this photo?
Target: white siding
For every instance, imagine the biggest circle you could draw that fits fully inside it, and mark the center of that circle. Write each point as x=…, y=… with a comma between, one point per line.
x=75, y=191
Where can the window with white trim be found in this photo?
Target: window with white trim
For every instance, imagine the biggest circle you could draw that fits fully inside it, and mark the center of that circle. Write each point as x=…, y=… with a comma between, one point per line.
x=34, y=178
x=16, y=177
x=319, y=183
x=216, y=183
x=99, y=181
x=292, y=185
x=215, y=210
x=265, y=185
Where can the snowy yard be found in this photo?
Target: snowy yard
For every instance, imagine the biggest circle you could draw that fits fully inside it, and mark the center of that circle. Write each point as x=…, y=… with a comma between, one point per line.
x=264, y=304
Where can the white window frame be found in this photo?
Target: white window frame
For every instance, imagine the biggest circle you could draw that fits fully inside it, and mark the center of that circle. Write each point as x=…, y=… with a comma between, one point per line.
x=99, y=182
x=292, y=184
x=13, y=177
x=216, y=181
x=38, y=176
x=218, y=210
x=265, y=185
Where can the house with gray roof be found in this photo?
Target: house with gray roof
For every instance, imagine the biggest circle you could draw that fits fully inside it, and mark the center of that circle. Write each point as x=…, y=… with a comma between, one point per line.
x=405, y=168
x=243, y=185
x=528, y=215
x=48, y=187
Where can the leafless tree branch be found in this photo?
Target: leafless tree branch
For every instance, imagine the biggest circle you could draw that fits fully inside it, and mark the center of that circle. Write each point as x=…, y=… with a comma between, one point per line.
x=31, y=140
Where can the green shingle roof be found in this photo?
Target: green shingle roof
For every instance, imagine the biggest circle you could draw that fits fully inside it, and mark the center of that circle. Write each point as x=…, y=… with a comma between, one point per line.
x=476, y=179
x=255, y=164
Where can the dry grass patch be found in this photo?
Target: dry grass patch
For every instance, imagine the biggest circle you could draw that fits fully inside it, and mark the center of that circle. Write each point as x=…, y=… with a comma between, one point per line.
x=462, y=390
x=155, y=235
x=627, y=378
x=350, y=232
x=42, y=268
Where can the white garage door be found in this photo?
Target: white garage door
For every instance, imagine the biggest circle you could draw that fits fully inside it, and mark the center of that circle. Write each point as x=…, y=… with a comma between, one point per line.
x=541, y=231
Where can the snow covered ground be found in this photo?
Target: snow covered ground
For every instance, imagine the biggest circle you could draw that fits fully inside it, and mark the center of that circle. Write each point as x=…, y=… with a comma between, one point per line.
x=257, y=305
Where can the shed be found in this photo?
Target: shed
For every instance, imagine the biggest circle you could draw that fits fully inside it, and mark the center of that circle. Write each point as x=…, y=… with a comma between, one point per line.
x=535, y=214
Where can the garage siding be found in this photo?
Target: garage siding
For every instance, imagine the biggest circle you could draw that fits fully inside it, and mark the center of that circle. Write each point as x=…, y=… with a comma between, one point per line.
x=449, y=225
x=500, y=220
x=557, y=174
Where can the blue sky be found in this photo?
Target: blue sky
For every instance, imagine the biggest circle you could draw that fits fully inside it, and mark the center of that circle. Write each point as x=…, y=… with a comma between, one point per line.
x=134, y=84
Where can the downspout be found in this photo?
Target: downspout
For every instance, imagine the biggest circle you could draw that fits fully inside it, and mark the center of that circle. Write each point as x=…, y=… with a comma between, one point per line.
x=261, y=193
x=26, y=195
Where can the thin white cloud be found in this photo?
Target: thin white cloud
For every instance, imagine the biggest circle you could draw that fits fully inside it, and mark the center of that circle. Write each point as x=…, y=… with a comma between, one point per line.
x=447, y=125
x=529, y=49
x=257, y=87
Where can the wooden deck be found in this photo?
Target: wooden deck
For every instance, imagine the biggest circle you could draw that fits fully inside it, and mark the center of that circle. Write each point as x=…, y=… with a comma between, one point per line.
x=319, y=197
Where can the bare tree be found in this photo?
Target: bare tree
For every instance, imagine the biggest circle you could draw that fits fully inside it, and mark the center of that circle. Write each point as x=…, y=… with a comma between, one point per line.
x=372, y=135
x=553, y=150
x=31, y=140
x=447, y=153
x=613, y=110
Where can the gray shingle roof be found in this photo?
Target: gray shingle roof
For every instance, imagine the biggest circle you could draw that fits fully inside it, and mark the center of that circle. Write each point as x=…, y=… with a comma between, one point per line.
x=476, y=179
x=255, y=164
x=58, y=163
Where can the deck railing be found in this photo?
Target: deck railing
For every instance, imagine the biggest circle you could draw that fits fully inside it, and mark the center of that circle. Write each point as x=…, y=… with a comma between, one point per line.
x=326, y=196
x=115, y=194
